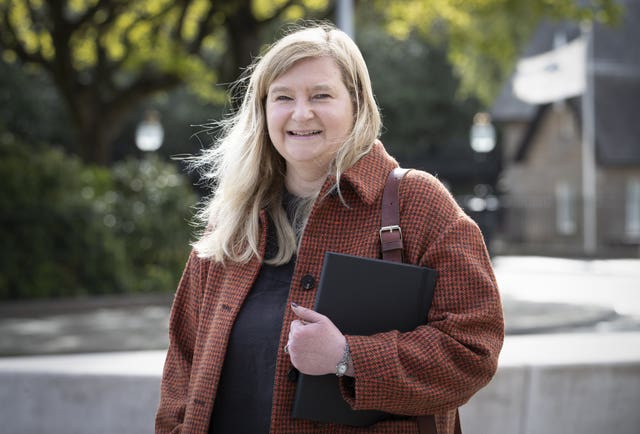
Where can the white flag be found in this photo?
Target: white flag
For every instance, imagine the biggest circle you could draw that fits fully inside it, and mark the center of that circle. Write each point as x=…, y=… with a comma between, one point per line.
x=554, y=75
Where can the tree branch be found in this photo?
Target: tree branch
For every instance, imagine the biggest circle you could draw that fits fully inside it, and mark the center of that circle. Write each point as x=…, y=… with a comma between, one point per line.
x=157, y=20
x=103, y=69
x=203, y=30
x=32, y=13
x=13, y=42
x=177, y=30
x=145, y=85
x=280, y=10
x=111, y=5
x=126, y=40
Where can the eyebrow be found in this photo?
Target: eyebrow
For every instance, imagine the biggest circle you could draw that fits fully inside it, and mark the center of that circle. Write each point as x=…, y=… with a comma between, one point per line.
x=315, y=88
x=321, y=87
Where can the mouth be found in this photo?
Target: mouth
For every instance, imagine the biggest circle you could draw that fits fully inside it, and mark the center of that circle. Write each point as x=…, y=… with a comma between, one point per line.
x=306, y=133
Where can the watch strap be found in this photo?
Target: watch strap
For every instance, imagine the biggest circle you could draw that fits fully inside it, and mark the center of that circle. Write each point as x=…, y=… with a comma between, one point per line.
x=343, y=364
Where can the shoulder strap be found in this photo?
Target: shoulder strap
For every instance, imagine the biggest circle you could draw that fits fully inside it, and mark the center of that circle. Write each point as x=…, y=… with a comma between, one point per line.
x=427, y=424
x=390, y=232
x=391, y=245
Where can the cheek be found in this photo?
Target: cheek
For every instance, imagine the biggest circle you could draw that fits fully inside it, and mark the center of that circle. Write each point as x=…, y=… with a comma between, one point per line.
x=269, y=115
x=343, y=125
x=275, y=119
x=348, y=120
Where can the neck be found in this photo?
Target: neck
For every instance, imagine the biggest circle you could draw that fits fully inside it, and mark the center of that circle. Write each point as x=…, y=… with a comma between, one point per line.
x=304, y=183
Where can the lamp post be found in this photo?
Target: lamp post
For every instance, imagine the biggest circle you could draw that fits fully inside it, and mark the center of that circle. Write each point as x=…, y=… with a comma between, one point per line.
x=344, y=17
x=483, y=134
x=482, y=139
x=483, y=203
x=149, y=133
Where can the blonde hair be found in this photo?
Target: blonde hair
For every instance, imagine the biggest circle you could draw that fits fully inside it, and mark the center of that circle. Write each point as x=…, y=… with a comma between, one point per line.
x=247, y=171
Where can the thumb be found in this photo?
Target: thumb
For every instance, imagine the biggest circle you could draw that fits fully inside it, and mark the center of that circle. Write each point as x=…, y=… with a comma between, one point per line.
x=306, y=314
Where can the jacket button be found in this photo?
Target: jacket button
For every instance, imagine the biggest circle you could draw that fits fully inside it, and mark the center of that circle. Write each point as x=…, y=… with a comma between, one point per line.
x=292, y=375
x=308, y=282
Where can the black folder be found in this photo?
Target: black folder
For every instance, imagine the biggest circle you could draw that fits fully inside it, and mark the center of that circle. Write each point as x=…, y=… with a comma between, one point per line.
x=362, y=296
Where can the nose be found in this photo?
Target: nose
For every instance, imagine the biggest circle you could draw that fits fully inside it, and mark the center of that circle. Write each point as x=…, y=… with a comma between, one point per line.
x=302, y=110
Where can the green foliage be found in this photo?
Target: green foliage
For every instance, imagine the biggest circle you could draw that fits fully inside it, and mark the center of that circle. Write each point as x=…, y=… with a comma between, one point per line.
x=150, y=207
x=107, y=57
x=30, y=106
x=127, y=38
x=415, y=86
x=484, y=37
x=70, y=229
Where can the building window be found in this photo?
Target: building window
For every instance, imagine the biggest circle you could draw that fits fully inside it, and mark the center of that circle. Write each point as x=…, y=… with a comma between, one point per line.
x=565, y=209
x=632, y=214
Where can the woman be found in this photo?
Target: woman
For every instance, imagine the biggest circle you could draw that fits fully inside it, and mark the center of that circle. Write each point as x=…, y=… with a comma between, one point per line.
x=299, y=171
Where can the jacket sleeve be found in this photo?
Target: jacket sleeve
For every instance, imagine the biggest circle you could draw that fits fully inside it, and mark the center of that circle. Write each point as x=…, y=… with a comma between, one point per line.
x=183, y=325
x=438, y=366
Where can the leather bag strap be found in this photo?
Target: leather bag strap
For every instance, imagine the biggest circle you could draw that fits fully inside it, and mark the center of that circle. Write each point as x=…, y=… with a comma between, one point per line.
x=391, y=245
x=390, y=232
x=427, y=424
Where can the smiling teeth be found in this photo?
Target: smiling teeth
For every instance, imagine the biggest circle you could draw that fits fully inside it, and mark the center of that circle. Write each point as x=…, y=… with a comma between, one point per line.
x=304, y=133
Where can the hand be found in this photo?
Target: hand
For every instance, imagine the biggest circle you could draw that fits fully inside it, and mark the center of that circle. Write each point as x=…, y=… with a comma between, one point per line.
x=315, y=344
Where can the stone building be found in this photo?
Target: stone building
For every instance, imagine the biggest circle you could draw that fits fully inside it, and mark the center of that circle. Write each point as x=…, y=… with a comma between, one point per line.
x=542, y=151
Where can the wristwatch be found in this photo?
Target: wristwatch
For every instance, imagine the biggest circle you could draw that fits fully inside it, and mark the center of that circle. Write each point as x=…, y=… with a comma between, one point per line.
x=343, y=364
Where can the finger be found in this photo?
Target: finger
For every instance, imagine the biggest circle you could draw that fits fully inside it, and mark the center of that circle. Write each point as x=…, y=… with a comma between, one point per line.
x=296, y=324
x=306, y=315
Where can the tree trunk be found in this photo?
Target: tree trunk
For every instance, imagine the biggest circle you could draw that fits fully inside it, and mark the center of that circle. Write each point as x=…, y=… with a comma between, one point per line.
x=97, y=126
x=244, y=41
x=94, y=145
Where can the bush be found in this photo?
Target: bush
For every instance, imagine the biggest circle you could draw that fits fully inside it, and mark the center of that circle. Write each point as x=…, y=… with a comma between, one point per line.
x=150, y=207
x=69, y=229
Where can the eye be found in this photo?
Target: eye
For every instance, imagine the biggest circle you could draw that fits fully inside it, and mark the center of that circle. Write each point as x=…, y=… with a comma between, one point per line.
x=322, y=96
x=282, y=98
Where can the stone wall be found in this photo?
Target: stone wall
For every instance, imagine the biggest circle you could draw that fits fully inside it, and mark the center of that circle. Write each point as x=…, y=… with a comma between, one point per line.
x=546, y=384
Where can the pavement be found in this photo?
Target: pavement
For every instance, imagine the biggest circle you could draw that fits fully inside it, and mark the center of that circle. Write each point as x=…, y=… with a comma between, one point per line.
x=543, y=295
x=540, y=296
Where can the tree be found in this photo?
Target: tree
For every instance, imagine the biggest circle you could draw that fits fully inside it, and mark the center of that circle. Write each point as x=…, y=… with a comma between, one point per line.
x=29, y=106
x=483, y=37
x=106, y=56
x=416, y=89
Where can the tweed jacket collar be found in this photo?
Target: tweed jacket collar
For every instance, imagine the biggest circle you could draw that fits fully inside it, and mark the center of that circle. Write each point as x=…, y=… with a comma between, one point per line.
x=358, y=177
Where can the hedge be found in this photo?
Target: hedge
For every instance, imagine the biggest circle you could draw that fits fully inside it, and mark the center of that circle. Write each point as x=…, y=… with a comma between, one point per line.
x=68, y=229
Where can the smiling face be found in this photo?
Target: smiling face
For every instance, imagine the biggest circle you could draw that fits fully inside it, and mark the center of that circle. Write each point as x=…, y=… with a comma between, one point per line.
x=309, y=115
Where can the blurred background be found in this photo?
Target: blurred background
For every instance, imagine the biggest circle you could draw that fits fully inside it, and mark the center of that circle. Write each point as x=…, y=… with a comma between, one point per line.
x=528, y=110
x=97, y=98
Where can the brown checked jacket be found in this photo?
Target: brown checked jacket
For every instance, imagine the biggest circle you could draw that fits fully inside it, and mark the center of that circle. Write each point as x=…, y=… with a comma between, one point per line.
x=431, y=370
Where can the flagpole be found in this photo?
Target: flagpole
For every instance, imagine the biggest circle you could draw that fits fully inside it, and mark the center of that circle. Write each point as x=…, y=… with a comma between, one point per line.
x=589, y=181
x=344, y=17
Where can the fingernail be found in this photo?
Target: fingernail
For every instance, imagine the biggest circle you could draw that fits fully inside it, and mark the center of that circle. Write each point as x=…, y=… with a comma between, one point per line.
x=294, y=304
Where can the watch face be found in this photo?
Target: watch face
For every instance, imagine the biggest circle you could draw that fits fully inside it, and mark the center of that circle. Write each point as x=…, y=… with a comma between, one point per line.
x=342, y=368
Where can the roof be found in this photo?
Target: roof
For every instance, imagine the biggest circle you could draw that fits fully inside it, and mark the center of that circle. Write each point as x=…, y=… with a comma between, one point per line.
x=616, y=65
x=617, y=121
x=508, y=108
